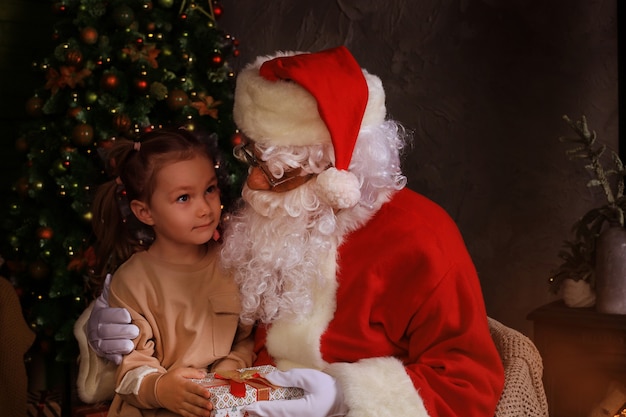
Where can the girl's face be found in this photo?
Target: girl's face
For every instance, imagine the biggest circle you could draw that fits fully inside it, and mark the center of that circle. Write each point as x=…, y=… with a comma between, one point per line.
x=185, y=207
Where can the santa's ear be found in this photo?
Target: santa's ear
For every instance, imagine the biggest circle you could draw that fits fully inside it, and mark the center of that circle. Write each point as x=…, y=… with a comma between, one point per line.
x=142, y=212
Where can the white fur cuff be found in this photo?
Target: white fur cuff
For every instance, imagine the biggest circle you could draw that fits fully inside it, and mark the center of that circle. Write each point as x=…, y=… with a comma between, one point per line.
x=96, y=376
x=378, y=387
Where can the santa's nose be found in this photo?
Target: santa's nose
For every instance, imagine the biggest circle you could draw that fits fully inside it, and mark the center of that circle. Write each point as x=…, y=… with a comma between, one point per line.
x=257, y=179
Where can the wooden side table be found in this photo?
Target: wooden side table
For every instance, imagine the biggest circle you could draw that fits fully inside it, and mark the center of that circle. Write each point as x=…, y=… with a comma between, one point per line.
x=582, y=352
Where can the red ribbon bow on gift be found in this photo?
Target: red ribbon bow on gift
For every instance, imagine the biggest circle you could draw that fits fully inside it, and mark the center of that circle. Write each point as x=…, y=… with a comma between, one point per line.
x=238, y=380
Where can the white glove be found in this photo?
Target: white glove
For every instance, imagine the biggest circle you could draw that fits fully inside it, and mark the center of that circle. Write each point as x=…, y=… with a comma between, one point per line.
x=109, y=330
x=322, y=396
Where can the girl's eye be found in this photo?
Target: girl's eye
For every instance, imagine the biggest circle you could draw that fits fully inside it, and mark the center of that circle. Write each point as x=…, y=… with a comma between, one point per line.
x=212, y=189
x=183, y=198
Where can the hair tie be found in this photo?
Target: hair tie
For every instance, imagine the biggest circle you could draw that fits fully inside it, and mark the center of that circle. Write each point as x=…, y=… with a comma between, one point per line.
x=137, y=146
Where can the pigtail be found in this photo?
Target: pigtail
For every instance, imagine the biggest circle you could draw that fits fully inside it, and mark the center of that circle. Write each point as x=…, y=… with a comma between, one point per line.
x=115, y=242
x=109, y=230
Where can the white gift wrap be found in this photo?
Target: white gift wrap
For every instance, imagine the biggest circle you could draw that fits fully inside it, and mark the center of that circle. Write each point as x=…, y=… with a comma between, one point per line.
x=225, y=404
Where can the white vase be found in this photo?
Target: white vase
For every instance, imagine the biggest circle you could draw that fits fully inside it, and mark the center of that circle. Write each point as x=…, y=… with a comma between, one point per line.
x=577, y=294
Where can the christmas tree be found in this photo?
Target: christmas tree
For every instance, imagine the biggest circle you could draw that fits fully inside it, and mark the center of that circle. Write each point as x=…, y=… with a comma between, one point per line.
x=119, y=68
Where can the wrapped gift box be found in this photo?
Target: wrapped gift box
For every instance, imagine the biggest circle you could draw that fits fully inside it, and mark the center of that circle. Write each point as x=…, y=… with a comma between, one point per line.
x=232, y=390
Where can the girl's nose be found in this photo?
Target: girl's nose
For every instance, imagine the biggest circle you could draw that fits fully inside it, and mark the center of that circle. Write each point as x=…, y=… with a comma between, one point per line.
x=204, y=208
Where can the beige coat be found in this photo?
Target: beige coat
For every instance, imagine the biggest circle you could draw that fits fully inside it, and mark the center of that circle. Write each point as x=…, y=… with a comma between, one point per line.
x=188, y=316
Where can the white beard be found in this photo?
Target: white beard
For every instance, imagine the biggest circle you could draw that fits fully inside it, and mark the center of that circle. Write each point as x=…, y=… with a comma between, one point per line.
x=275, y=246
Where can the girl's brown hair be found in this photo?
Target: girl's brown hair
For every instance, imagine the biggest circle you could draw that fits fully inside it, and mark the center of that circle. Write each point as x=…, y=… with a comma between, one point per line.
x=133, y=167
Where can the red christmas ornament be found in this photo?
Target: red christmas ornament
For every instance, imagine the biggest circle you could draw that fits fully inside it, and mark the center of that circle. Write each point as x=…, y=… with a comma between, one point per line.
x=217, y=60
x=34, y=106
x=59, y=8
x=73, y=112
x=45, y=233
x=121, y=122
x=74, y=57
x=217, y=10
x=82, y=134
x=177, y=99
x=110, y=81
x=236, y=139
x=68, y=149
x=141, y=85
x=89, y=35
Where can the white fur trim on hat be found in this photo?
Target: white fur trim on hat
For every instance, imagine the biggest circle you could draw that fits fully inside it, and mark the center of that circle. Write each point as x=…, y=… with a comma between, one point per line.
x=283, y=113
x=340, y=189
x=280, y=113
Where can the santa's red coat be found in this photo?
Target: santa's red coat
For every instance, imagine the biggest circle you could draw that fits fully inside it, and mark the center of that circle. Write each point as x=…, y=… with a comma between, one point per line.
x=402, y=323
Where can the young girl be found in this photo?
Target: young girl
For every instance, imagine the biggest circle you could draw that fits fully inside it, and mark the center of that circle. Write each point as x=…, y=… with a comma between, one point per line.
x=158, y=221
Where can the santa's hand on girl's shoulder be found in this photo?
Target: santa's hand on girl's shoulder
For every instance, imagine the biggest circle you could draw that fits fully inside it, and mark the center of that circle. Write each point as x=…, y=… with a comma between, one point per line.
x=109, y=330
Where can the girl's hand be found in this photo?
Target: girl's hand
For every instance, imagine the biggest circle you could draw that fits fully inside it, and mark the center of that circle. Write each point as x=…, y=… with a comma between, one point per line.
x=179, y=394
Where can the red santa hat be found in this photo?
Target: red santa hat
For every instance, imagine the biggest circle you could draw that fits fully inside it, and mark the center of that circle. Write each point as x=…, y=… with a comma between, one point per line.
x=297, y=98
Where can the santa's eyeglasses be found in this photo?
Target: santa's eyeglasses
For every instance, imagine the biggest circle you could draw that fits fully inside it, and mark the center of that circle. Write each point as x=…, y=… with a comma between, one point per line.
x=246, y=152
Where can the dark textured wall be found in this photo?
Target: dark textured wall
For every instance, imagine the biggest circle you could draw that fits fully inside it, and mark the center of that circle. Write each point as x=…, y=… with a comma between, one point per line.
x=483, y=83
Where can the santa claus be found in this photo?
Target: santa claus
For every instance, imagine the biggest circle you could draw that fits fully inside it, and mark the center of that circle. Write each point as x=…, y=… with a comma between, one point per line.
x=363, y=290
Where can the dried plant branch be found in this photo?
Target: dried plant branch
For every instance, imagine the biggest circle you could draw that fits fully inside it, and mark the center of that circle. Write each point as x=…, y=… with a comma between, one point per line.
x=579, y=255
x=602, y=176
